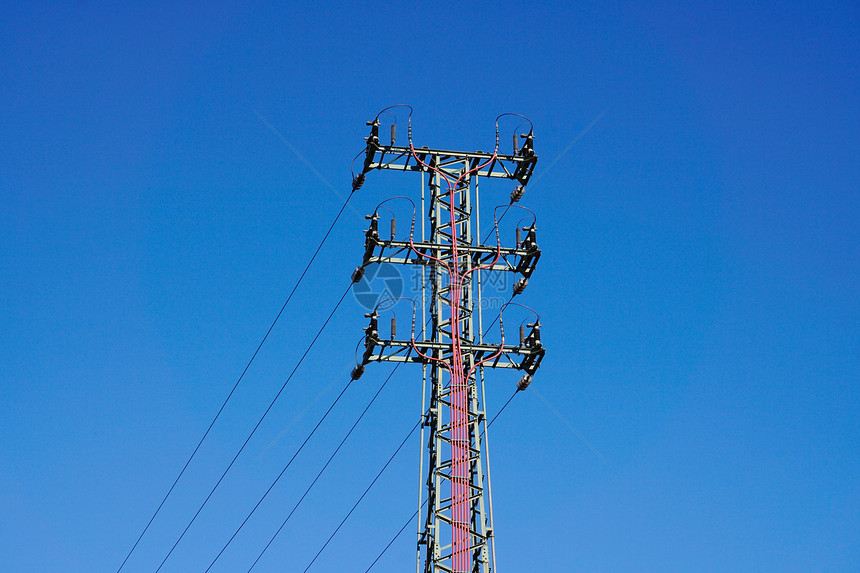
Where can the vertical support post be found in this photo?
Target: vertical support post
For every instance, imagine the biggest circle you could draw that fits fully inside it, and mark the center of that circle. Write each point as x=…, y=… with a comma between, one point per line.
x=455, y=526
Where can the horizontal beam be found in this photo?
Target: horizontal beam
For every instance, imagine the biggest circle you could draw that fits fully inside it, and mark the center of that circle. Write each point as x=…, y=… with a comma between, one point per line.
x=518, y=167
x=525, y=264
x=401, y=351
x=447, y=154
x=463, y=248
x=419, y=261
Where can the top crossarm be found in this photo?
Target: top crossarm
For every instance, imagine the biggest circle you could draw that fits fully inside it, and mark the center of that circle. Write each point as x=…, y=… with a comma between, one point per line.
x=401, y=158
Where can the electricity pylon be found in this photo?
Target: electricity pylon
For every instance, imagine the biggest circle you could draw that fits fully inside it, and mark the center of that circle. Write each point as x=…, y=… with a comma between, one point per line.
x=456, y=531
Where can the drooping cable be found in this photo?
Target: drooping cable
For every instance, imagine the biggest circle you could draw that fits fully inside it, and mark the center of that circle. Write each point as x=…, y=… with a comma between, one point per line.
x=307, y=491
x=396, y=535
x=280, y=475
x=502, y=409
x=235, y=385
x=415, y=513
x=513, y=199
x=505, y=212
x=415, y=427
x=260, y=421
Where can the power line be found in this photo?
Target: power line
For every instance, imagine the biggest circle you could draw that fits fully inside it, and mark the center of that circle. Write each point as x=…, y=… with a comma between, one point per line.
x=502, y=409
x=280, y=475
x=241, y=376
x=331, y=457
x=396, y=535
x=307, y=491
x=362, y=495
x=505, y=212
x=260, y=421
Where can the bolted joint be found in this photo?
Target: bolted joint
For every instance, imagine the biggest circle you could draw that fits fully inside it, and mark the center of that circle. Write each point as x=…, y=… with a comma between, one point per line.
x=357, y=372
x=524, y=382
x=357, y=274
x=520, y=286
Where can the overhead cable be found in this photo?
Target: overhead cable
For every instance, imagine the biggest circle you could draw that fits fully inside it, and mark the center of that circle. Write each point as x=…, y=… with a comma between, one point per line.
x=260, y=421
x=235, y=385
x=280, y=475
x=415, y=427
x=307, y=491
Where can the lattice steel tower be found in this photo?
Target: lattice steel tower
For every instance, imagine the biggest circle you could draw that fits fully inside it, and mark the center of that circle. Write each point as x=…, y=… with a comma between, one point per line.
x=455, y=533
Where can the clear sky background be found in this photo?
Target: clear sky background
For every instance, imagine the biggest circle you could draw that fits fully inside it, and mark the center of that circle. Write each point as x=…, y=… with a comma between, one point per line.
x=699, y=285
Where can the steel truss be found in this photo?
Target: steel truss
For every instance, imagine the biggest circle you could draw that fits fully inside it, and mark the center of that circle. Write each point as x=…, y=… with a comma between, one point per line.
x=455, y=534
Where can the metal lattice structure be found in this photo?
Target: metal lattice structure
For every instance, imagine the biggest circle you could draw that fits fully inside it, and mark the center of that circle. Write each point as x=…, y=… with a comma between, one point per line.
x=455, y=533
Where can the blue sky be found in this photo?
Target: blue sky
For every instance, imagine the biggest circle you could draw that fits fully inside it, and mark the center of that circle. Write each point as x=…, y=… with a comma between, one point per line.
x=698, y=287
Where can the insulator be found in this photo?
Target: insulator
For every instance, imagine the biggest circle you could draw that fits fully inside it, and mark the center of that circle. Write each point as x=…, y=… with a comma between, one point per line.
x=524, y=382
x=372, y=330
x=393, y=327
x=357, y=274
x=393, y=132
x=393, y=227
x=519, y=237
x=516, y=144
x=517, y=194
x=531, y=238
x=357, y=182
x=522, y=335
x=373, y=229
x=520, y=286
x=534, y=336
x=357, y=371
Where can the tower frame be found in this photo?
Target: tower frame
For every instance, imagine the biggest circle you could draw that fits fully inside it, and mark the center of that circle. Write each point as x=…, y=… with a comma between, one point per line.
x=455, y=533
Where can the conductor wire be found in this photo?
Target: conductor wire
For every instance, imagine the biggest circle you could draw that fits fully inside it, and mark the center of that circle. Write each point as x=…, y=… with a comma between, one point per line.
x=280, y=475
x=235, y=385
x=260, y=421
x=307, y=491
x=390, y=459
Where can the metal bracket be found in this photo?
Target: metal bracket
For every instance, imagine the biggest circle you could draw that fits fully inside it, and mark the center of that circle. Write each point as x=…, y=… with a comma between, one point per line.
x=519, y=167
